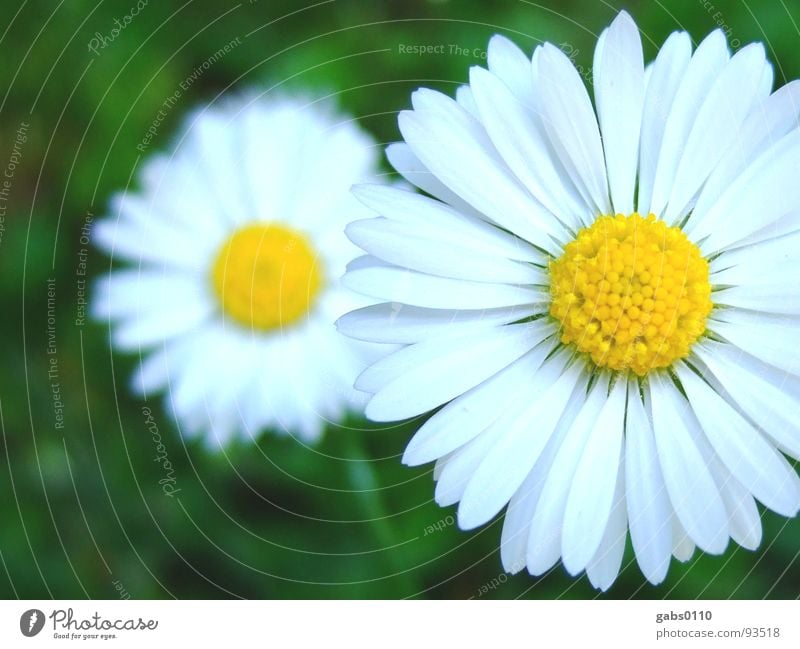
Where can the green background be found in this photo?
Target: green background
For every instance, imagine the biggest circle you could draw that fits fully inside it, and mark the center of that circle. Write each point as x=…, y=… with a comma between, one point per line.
x=81, y=510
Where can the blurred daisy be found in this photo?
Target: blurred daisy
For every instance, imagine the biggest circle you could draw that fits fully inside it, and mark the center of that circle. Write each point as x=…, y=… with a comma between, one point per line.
x=238, y=242
x=606, y=304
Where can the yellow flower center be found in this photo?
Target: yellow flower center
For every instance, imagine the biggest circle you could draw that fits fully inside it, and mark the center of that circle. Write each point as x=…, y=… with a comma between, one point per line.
x=266, y=276
x=631, y=292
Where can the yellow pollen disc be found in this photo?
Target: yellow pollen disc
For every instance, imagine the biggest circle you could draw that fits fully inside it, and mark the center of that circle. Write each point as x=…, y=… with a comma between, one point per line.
x=631, y=292
x=266, y=276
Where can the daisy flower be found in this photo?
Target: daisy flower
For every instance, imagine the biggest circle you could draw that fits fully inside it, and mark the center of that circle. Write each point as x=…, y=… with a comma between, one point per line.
x=237, y=240
x=603, y=302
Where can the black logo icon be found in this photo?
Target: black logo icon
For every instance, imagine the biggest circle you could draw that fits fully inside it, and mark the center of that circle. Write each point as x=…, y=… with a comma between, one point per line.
x=31, y=622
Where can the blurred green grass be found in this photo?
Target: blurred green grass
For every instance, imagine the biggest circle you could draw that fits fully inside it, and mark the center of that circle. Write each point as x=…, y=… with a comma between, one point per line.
x=81, y=510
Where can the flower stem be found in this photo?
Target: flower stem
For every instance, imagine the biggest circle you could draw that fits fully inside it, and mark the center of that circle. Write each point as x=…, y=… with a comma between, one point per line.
x=364, y=481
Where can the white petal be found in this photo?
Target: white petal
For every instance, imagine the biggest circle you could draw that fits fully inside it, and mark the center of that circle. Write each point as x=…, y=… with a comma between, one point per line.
x=177, y=195
x=544, y=544
x=667, y=73
x=765, y=191
x=691, y=488
x=649, y=511
x=194, y=381
x=146, y=329
x=591, y=497
x=754, y=277
x=786, y=224
x=268, y=176
x=392, y=283
x=440, y=464
x=337, y=156
x=743, y=515
x=218, y=159
x=393, y=322
x=768, y=337
x=438, y=370
x=597, y=57
x=152, y=374
x=756, y=264
x=141, y=235
x=717, y=125
x=604, y=567
x=466, y=100
x=708, y=61
x=392, y=366
x=458, y=151
x=768, y=396
x=461, y=466
x=767, y=79
x=466, y=416
x=423, y=250
x=768, y=297
x=519, y=137
x=739, y=504
x=435, y=217
x=769, y=121
x=747, y=455
x=514, y=455
x=509, y=64
x=521, y=507
x=517, y=521
x=408, y=165
x=314, y=149
x=619, y=96
x=682, y=546
x=125, y=293
x=571, y=125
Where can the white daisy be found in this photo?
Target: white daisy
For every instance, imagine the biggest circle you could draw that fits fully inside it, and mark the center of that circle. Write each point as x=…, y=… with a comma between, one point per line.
x=599, y=371
x=237, y=236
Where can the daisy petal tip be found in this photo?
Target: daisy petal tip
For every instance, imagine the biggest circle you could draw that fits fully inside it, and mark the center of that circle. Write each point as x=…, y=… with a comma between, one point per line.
x=377, y=411
x=657, y=574
x=408, y=121
x=360, y=189
x=99, y=309
x=421, y=96
x=395, y=149
x=469, y=517
x=718, y=35
x=103, y=235
x=719, y=545
x=498, y=40
x=623, y=19
x=549, y=49
x=573, y=565
x=443, y=499
x=411, y=455
x=406, y=116
x=341, y=323
x=536, y=564
x=751, y=543
x=137, y=385
x=354, y=231
x=511, y=565
x=501, y=47
x=602, y=583
x=346, y=280
x=363, y=381
x=477, y=74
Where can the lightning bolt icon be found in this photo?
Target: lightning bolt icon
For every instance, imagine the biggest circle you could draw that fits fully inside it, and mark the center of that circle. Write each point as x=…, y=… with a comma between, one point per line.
x=32, y=620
